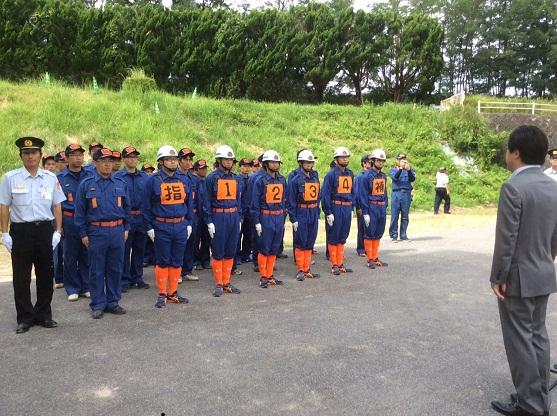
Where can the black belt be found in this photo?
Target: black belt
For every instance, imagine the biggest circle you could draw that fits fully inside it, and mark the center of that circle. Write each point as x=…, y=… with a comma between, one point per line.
x=31, y=223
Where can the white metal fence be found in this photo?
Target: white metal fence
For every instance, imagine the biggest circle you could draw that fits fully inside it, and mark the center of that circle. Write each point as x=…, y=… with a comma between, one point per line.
x=526, y=108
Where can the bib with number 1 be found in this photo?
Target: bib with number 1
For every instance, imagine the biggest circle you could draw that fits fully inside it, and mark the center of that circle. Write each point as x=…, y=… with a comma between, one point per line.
x=226, y=189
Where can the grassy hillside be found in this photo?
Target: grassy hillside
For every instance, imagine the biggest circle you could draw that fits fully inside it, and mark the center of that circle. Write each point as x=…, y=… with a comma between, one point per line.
x=62, y=114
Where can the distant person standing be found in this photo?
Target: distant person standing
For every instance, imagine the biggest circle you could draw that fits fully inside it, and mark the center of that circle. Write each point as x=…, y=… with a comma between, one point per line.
x=442, y=192
x=402, y=176
x=552, y=170
x=30, y=200
x=522, y=273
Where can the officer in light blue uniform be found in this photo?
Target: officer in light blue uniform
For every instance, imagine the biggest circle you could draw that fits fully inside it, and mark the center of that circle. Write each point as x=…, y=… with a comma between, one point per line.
x=76, y=257
x=135, y=180
x=30, y=200
x=402, y=176
x=103, y=216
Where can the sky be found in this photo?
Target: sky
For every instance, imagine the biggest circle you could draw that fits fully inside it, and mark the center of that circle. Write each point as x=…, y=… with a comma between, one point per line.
x=358, y=4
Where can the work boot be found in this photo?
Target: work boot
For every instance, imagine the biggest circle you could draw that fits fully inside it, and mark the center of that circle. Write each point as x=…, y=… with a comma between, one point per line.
x=380, y=263
x=343, y=269
x=274, y=281
x=175, y=298
x=300, y=276
x=371, y=264
x=264, y=283
x=161, y=301
x=218, y=291
x=143, y=285
x=335, y=270
x=231, y=289
x=310, y=275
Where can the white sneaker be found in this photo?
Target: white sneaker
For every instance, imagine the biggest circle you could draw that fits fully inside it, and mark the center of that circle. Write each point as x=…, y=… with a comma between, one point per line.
x=73, y=297
x=58, y=285
x=180, y=280
x=191, y=278
x=87, y=294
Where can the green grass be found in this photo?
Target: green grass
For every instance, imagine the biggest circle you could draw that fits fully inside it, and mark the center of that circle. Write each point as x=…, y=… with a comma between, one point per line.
x=62, y=114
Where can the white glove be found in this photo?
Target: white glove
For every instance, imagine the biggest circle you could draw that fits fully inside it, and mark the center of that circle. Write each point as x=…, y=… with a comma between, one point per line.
x=188, y=232
x=55, y=239
x=259, y=229
x=211, y=228
x=151, y=234
x=330, y=219
x=367, y=220
x=7, y=240
x=295, y=226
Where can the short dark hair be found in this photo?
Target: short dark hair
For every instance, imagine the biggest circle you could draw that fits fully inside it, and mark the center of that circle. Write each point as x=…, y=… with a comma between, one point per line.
x=531, y=142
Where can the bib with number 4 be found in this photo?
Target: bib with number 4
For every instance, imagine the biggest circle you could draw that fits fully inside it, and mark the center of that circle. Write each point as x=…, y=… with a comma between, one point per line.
x=274, y=193
x=172, y=193
x=344, y=185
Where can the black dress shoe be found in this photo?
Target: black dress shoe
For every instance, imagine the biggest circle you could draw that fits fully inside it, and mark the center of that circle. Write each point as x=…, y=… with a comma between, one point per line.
x=118, y=310
x=510, y=409
x=97, y=314
x=22, y=328
x=514, y=398
x=143, y=285
x=49, y=323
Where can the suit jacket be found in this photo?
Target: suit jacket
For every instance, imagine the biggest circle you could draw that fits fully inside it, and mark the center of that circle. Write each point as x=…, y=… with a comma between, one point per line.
x=526, y=235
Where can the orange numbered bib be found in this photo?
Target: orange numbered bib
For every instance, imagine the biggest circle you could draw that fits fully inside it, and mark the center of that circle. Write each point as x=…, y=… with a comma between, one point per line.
x=172, y=193
x=344, y=185
x=274, y=193
x=311, y=191
x=378, y=187
x=226, y=189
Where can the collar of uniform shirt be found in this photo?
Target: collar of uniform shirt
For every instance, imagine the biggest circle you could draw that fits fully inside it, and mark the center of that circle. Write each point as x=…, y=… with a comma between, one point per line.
x=520, y=169
x=26, y=174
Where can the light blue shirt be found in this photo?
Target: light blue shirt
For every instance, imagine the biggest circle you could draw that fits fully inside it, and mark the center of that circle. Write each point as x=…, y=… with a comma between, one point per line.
x=30, y=198
x=551, y=173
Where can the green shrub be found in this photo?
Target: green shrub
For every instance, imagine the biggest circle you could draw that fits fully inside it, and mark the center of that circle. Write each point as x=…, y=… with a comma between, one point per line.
x=138, y=82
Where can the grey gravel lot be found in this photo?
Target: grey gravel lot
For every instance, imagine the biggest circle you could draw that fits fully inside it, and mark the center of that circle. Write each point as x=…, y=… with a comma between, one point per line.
x=420, y=337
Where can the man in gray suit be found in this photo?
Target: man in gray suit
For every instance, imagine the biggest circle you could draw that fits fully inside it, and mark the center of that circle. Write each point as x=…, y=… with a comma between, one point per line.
x=523, y=274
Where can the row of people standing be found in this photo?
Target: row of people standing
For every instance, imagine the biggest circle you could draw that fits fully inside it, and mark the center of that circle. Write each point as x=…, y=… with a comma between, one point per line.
x=108, y=214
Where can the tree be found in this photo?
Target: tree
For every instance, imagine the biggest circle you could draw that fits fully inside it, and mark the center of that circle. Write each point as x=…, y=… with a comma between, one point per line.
x=363, y=43
x=413, y=58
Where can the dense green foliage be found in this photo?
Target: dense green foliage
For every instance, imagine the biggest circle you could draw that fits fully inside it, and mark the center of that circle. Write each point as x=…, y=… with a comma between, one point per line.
x=304, y=53
x=62, y=114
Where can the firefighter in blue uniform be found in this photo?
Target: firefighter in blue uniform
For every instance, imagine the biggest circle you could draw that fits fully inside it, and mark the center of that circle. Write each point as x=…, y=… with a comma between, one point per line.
x=267, y=209
x=402, y=176
x=167, y=213
x=202, y=251
x=149, y=253
x=303, y=209
x=185, y=157
x=373, y=200
x=76, y=257
x=102, y=215
x=337, y=200
x=360, y=250
x=257, y=173
x=135, y=180
x=244, y=243
x=221, y=211
x=94, y=147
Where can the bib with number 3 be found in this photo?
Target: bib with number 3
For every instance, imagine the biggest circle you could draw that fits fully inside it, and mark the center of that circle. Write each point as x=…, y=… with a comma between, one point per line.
x=311, y=191
x=226, y=189
x=172, y=193
x=274, y=193
x=344, y=185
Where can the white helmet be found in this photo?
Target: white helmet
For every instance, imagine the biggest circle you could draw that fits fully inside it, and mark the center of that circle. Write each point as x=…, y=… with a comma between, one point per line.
x=225, y=152
x=166, y=151
x=306, y=156
x=271, y=156
x=378, y=154
x=341, y=152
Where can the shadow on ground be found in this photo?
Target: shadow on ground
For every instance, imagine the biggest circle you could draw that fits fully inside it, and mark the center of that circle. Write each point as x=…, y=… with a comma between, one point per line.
x=420, y=337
